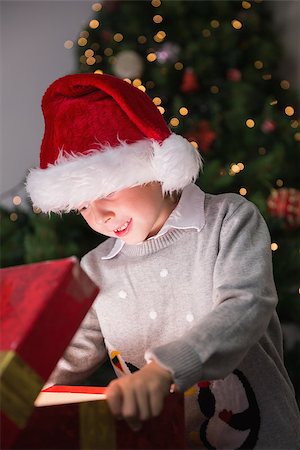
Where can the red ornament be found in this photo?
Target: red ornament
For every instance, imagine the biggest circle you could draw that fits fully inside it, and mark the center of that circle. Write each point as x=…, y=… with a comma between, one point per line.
x=189, y=81
x=268, y=126
x=234, y=75
x=203, y=134
x=285, y=203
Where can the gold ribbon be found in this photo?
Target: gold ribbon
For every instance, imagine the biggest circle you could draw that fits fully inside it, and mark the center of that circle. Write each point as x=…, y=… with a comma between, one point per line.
x=19, y=387
x=97, y=426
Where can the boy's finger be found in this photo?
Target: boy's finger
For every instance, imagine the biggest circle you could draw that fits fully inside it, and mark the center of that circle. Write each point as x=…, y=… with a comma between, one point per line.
x=130, y=409
x=114, y=397
x=156, y=404
x=143, y=402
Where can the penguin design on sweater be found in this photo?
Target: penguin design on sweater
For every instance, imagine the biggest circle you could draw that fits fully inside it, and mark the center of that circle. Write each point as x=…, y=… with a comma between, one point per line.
x=231, y=411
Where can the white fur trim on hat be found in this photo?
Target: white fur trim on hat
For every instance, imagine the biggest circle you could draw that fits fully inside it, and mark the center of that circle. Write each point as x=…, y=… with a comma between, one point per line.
x=76, y=179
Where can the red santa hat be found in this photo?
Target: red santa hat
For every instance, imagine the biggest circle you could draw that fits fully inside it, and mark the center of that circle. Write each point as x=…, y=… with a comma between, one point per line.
x=103, y=135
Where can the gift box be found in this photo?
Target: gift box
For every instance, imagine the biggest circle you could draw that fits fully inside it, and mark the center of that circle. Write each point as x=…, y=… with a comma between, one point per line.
x=78, y=417
x=42, y=306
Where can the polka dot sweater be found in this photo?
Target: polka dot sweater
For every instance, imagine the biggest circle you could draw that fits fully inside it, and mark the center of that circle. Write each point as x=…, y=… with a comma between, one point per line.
x=200, y=301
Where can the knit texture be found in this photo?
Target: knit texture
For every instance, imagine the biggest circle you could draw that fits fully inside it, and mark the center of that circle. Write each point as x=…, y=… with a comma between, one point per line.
x=203, y=305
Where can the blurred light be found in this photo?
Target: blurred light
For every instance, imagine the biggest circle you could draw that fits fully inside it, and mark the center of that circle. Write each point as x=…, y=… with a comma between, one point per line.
x=89, y=52
x=96, y=7
x=142, y=88
x=246, y=5
x=294, y=124
x=157, y=18
x=142, y=39
x=273, y=102
x=243, y=191
x=151, y=57
x=160, y=36
x=127, y=80
x=94, y=24
x=17, y=200
x=284, y=84
x=150, y=84
x=274, y=246
x=236, y=24
x=235, y=168
x=250, y=123
x=156, y=3
x=279, y=182
x=137, y=82
x=178, y=66
x=118, y=37
x=262, y=151
x=241, y=166
x=82, y=59
x=68, y=44
x=206, y=32
x=214, y=89
x=99, y=71
x=98, y=58
x=258, y=64
x=297, y=137
x=90, y=60
x=84, y=34
x=289, y=110
x=174, y=122
x=215, y=23
x=36, y=210
x=108, y=51
x=266, y=76
x=183, y=111
x=111, y=60
x=82, y=42
x=95, y=46
x=194, y=144
x=157, y=101
x=13, y=216
x=161, y=109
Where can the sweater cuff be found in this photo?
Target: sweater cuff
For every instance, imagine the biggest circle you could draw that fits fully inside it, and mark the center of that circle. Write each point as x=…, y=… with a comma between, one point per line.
x=181, y=360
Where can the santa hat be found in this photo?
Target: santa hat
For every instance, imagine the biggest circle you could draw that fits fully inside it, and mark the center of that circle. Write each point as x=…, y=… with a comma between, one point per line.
x=103, y=135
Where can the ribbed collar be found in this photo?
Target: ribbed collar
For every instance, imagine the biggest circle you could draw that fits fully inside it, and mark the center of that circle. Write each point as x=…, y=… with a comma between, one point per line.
x=188, y=214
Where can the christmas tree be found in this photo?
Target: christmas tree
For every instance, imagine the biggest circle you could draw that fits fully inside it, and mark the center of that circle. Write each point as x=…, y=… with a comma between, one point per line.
x=211, y=67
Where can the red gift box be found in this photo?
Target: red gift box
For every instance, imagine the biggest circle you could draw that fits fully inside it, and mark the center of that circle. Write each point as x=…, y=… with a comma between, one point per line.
x=42, y=306
x=86, y=423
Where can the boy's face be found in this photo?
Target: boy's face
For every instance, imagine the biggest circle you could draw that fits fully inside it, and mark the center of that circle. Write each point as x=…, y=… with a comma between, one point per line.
x=132, y=214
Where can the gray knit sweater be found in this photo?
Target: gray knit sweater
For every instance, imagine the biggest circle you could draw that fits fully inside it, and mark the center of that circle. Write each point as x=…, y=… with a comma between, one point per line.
x=202, y=303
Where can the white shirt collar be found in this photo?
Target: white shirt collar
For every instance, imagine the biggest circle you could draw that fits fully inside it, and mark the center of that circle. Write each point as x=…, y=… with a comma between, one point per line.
x=189, y=213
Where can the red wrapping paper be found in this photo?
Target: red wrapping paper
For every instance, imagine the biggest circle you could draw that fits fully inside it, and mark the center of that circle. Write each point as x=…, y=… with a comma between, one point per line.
x=42, y=306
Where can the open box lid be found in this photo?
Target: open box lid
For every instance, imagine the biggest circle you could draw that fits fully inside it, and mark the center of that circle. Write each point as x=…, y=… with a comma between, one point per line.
x=42, y=306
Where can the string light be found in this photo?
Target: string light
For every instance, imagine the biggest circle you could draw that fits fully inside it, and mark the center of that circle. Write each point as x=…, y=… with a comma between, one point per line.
x=137, y=82
x=279, y=182
x=289, y=110
x=266, y=76
x=195, y=144
x=17, y=200
x=273, y=102
x=150, y=84
x=243, y=191
x=258, y=64
x=99, y=71
x=246, y=5
x=118, y=37
x=89, y=52
x=250, y=123
x=215, y=23
x=161, y=109
x=108, y=51
x=206, y=33
x=178, y=66
x=36, y=210
x=84, y=34
x=174, y=122
x=156, y=3
x=142, y=88
x=183, y=111
x=157, y=18
x=241, y=166
x=94, y=24
x=90, y=61
x=235, y=168
x=151, y=57
x=160, y=36
x=236, y=24
x=157, y=101
x=262, y=151
x=294, y=124
x=284, y=84
x=297, y=137
x=82, y=41
x=68, y=44
x=127, y=80
x=98, y=58
x=96, y=7
x=142, y=39
x=214, y=89
x=274, y=246
x=95, y=46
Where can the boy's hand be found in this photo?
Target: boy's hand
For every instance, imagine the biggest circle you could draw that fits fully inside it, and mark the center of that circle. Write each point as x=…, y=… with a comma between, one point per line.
x=139, y=396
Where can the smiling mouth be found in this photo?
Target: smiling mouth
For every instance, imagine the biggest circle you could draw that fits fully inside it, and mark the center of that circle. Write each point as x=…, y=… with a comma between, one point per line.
x=122, y=230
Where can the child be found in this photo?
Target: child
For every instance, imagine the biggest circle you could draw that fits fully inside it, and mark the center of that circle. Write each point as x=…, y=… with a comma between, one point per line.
x=185, y=277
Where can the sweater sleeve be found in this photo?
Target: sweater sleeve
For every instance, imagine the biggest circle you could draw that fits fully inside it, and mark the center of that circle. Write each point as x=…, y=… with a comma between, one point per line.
x=244, y=298
x=85, y=352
